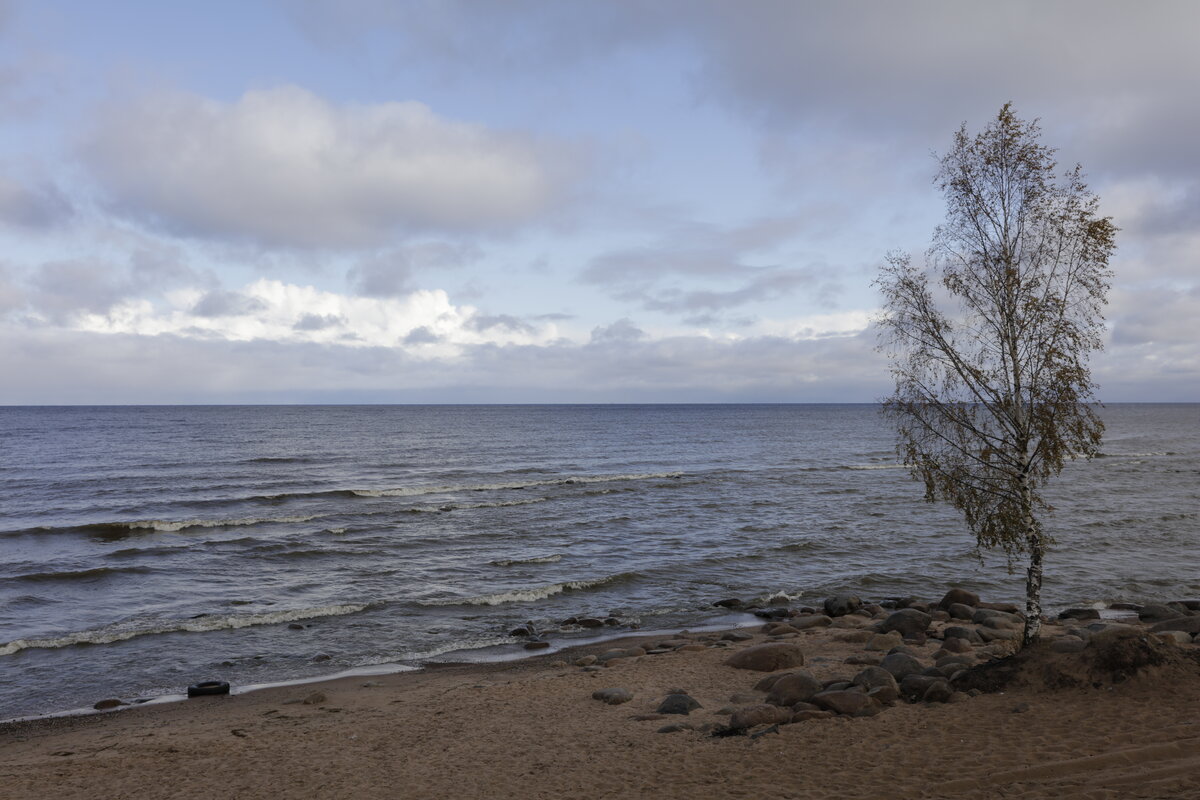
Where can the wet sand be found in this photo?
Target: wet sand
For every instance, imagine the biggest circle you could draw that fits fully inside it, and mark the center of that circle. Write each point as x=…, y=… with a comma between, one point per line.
x=531, y=729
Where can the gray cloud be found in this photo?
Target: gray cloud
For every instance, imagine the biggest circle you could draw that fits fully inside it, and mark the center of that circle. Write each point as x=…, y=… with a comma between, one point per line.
x=318, y=322
x=390, y=273
x=221, y=303
x=485, y=322
x=62, y=288
x=284, y=167
x=37, y=207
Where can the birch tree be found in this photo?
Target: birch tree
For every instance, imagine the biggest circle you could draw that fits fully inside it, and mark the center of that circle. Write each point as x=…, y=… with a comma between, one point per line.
x=989, y=340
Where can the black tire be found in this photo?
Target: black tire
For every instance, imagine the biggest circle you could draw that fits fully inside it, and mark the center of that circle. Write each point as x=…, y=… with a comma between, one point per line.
x=208, y=688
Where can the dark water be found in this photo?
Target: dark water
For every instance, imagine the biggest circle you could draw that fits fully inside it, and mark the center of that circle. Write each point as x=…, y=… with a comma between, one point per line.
x=142, y=549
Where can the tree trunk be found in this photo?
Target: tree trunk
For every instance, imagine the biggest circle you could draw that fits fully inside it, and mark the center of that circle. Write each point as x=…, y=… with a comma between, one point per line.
x=1033, y=590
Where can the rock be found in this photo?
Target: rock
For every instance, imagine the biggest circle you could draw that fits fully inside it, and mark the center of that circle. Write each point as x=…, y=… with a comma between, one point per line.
x=314, y=699
x=675, y=728
x=857, y=637
x=614, y=696
x=729, y=602
x=955, y=644
x=1175, y=637
x=585, y=661
x=981, y=616
x=938, y=692
x=628, y=652
x=1079, y=613
x=111, y=702
x=863, y=659
x=744, y=698
x=841, y=604
x=1007, y=608
x=906, y=621
x=958, y=596
x=761, y=714
x=872, y=677
x=851, y=621
x=917, y=638
x=939, y=616
x=845, y=702
x=994, y=635
x=1185, y=624
x=679, y=703
x=1190, y=605
x=692, y=648
x=736, y=636
x=900, y=665
x=961, y=632
x=913, y=687
x=807, y=714
x=882, y=642
x=773, y=613
x=961, y=611
x=1157, y=612
x=768, y=657
x=590, y=622
x=538, y=645
x=796, y=687
x=810, y=621
x=778, y=600
x=885, y=695
x=767, y=683
x=295, y=626
x=319, y=657
x=779, y=629
x=837, y=685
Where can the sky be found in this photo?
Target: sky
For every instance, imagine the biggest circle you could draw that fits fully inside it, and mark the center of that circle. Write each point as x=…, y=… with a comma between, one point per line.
x=542, y=201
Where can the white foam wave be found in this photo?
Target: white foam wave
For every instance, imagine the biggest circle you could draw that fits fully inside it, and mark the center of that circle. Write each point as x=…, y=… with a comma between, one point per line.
x=122, y=631
x=415, y=491
x=534, y=593
x=171, y=526
x=512, y=562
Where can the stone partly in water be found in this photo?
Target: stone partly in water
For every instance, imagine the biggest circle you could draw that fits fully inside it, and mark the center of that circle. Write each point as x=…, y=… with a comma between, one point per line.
x=961, y=596
x=1079, y=613
x=1157, y=612
x=111, y=702
x=842, y=604
x=678, y=703
x=538, y=645
x=768, y=657
x=614, y=696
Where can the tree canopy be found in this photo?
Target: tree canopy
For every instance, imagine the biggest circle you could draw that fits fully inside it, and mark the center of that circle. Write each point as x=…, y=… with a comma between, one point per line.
x=990, y=338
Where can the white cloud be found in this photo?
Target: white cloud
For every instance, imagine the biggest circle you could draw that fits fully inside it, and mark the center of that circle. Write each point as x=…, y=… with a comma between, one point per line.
x=424, y=323
x=285, y=167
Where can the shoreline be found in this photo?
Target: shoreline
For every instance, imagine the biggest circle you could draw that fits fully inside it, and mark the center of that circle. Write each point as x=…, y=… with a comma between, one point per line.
x=531, y=728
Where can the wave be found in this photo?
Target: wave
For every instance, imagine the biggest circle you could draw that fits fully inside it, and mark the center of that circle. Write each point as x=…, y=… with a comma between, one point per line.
x=120, y=632
x=535, y=593
x=278, y=460
x=413, y=491
x=873, y=466
x=79, y=574
x=512, y=562
x=122, y=528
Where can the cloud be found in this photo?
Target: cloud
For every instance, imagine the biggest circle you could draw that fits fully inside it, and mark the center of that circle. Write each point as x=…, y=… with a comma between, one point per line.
x=284, y=167
x=390, y=273
x=37, y=207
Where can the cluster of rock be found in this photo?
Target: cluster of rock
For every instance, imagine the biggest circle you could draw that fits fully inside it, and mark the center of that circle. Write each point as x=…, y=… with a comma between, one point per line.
x=535, y=638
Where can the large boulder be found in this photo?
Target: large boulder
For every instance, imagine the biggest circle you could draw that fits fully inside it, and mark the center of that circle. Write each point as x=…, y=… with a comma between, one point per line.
x=796, y=687
x=958, y=596
x=1157, y=612
x=901, y=665
x=842, y=604
x=762, y=714
x=678, y=703
x=810, y=621
x=1185, y=624
x=961, y=611
x=873, y=677
x=913, y=687
x=906, y=621
x=962, y=632
x=768, y=657
x=848, y=702
x=614, y=697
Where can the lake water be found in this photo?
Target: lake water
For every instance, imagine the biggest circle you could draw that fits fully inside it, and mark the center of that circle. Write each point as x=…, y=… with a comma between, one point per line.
x=146, y=548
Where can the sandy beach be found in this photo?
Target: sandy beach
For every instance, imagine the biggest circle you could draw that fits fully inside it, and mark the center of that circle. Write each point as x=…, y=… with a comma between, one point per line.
x=532, y=729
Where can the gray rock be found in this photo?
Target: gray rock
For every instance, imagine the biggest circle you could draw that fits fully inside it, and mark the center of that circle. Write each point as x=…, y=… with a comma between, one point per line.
x=796, y=687
x=1158, y=612
x=744, y=698
x=1178, y=637
x=1079, y=613
x=860, y=659
x=761, y=714
x=810, y=621
x=585, y=661
x=882, y=642
x=675, y=728
x=842, y=604
x=913, y=687
x=996, y=635
x=736, y=636
x=844, y=702
x=901, y=665
x=959, y=596
x=995, y=619
x=538, y=645
x=110, y=702
x=768, y=682
x=873, y=677
x=938, y=692
x=678, y=704
x=590, y=622
x=906, y=621
x=1185, y=624
x=614, y=696
x=961, y=611
x=955, y=644
x=961, y=632
x=885, y=695
x=769, y=657
x=811, y=713
x=729, y=602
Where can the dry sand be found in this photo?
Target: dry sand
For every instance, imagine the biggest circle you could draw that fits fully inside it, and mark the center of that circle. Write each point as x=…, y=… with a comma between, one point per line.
x=531, y=729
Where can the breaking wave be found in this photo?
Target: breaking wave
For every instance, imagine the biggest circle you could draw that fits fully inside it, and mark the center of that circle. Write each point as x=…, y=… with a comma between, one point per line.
x=122, y=631
x=535, y=593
